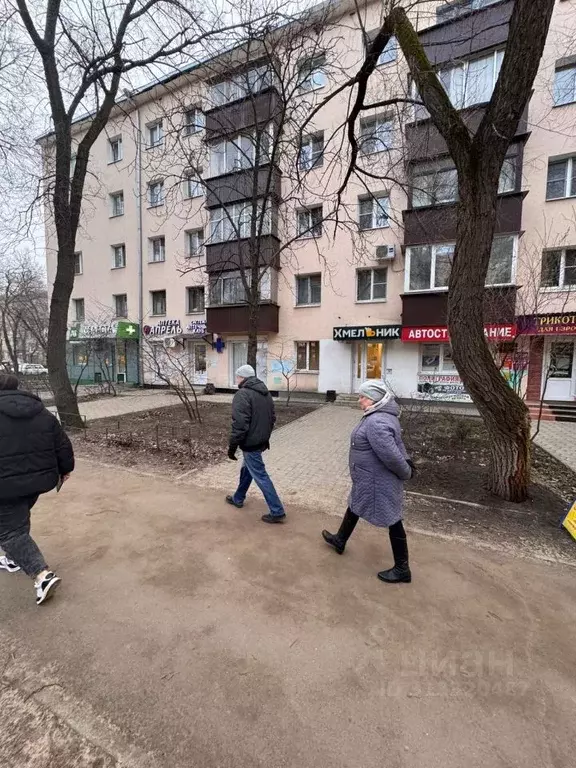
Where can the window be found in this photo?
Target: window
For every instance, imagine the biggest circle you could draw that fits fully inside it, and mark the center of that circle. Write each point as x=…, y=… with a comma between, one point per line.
x=155, y=194
x=234, y=222
x=565, y=85
x=389, y=53
x=193, y=121
x=559, y=268
x=227, y=289
x=376, y=134
x=371, y=284
x=311, y=153
x=157, y=249
x=78, y=263
x=436, y=358
x=311, y=74
x=155, y=134
x=80, y=354
x=195, y=299
x=428, y=266
x=452, y=10
x=239, y=152
x=308, y=290
x=241, y=85
x=310, y=222
x=158, y=302
x=373, y=212
x=194, y=242
x=79, y=313
x=561, y=179
x=117, y=204
x=437, y=185
x=115, y=149
x=193, y=185
x=121, y=305
x=308, y=356
x=118, y=256
x=561, y=359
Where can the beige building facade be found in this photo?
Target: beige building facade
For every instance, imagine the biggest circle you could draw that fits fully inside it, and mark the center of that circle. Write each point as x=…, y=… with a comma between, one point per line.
x=349, y=289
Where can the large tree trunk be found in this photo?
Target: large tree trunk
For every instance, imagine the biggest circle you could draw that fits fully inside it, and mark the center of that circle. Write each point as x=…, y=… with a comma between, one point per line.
x=253, y=316
x=64, y=395
x=504, y=414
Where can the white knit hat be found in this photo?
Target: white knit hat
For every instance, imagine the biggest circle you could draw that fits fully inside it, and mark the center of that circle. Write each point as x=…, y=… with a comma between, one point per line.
x=245, y=372
x=375, y=390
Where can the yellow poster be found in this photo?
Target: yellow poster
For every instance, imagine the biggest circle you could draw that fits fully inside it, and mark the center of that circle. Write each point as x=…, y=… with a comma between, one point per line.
x=570, y=521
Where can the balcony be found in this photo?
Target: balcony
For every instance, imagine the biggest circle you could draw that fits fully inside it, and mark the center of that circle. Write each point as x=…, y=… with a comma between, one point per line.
x=241, y=185
x=468, y=34
x=235, y=254
x=262, y=108
x=432, y=308
x=437, y=224
x=235, y=319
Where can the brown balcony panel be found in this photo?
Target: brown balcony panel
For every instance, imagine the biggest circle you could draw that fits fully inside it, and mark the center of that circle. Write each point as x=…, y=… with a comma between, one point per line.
x=424, y=142
x=431, y=308
x=236, y=254
x=234, y=319
x=424, y=226
x=229, y=119
x=462, y=37
x=241, y=185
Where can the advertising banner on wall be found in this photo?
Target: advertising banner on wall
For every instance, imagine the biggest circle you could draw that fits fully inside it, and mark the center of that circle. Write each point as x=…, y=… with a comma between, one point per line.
x=439, y=333
x=552, y=324
x=366, y=332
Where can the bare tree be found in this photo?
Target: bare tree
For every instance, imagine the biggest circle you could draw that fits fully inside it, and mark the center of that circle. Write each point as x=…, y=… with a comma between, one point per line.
x=478, y=157
x=85, y=53
x=167, y=360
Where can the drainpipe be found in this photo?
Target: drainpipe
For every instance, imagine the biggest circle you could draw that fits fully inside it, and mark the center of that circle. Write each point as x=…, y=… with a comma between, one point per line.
x=139, y=244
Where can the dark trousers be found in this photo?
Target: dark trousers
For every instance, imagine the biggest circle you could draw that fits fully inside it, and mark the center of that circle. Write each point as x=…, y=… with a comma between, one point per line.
x=253, y=468
x=15, y=537
x=396, y=532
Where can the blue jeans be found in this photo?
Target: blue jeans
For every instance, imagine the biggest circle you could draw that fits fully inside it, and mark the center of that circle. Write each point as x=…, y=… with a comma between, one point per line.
x=253, y=469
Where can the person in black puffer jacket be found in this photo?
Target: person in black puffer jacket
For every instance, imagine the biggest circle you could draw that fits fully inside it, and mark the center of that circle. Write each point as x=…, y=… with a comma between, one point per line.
x=35, y=456
x=253, y=419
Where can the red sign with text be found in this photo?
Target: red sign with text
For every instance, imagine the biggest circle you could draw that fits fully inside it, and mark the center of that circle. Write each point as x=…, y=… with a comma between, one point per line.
x=439, y=333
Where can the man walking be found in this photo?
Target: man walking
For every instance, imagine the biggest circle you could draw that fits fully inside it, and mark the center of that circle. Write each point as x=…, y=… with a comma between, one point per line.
x=35, y=455
x=253, y=420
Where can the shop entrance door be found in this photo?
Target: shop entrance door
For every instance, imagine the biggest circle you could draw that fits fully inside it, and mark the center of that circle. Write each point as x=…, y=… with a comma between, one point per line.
x=561, y=384
x=368, y=362
x=197, y=363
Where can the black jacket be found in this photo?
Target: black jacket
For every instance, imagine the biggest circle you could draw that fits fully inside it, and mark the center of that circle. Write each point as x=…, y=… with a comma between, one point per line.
x=253, y=416
x=34, y=449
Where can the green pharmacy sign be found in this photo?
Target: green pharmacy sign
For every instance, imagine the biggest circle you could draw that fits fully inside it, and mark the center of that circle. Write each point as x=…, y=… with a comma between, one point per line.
x=121, y=329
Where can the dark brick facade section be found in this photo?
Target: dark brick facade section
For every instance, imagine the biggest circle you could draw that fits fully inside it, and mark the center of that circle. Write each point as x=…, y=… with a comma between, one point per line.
x=234, y=319
x=241, y=185
x=432, y=308
x=230, y=119
x=535, y=366
x=438, y=224
x=423, y=141
x=235, y=254
x=463, y=37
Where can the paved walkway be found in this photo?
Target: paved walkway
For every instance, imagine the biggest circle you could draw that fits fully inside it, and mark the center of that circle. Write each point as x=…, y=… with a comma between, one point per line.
x=308, y=461
x=559, y=439
x=204, y=638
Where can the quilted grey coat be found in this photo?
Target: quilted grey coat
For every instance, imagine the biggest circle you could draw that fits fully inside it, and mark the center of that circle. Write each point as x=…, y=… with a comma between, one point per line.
x=378, y=466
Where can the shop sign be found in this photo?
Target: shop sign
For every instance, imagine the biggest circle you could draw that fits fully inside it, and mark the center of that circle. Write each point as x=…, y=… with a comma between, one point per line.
x=196, y=328
x=121, y=329
x=553, y=324
x=439, y=333
x=366, y=332
x=569, y=521
x=163, y=328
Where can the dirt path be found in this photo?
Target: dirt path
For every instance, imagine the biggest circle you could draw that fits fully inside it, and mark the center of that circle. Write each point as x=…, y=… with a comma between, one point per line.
x=212, y=640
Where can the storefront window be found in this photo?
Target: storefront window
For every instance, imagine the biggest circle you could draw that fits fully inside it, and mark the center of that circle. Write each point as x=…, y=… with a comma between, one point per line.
x=200, y=358
x=437, y=358
x=561, y=358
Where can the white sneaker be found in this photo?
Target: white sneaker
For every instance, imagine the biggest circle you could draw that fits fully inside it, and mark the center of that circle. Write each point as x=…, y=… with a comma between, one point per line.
x=46, y=588
x=8, y=565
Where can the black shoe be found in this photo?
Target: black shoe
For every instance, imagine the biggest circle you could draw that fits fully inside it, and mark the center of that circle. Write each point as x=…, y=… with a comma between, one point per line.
x=396, y=575
x=273, y=518
x=230, y=500
x=333, y=540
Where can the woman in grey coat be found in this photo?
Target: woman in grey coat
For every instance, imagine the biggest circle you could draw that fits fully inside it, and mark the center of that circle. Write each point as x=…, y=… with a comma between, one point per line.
x=379, y=466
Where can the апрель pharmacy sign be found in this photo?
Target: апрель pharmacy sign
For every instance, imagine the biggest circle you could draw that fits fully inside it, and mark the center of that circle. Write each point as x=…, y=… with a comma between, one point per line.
x=366, y=332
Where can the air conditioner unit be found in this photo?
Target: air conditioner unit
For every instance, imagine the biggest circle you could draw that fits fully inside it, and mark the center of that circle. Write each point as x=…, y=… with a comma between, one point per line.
x=385, y=252
x=169, y=342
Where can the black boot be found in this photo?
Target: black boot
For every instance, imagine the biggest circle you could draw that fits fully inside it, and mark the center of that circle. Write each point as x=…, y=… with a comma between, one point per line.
x=338, y=540
x=400, y=573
